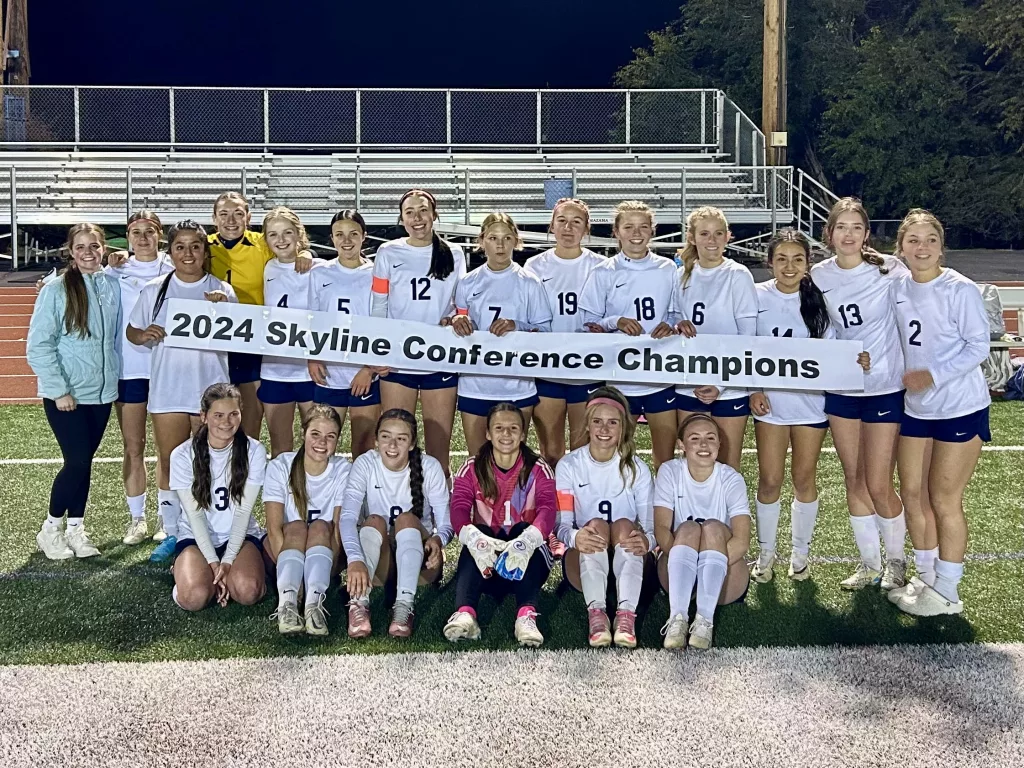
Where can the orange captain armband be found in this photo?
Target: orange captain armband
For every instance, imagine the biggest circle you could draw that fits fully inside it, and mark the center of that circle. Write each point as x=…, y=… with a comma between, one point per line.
x=380, y=284
x=566, y=501
x=462, y=312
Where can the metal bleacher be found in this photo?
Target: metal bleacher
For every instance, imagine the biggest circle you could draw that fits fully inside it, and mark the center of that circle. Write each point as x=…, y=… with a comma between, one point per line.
x=96, y=154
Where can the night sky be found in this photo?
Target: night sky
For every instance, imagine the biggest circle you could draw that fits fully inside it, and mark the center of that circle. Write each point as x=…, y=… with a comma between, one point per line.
x=518, y=43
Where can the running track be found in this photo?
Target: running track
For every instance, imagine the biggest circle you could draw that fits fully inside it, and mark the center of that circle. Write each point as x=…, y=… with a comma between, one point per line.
x=18, y=384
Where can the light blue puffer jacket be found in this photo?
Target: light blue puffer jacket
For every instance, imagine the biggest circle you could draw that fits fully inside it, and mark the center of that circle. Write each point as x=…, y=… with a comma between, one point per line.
x=86, y=368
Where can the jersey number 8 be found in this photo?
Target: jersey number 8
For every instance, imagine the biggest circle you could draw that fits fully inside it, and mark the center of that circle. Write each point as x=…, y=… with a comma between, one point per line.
x=393, y=514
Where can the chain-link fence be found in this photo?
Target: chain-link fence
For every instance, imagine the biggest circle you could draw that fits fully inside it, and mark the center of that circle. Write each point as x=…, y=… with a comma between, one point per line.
x=237, y=118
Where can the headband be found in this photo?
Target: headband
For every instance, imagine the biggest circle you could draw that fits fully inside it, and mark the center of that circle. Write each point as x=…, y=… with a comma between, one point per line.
x=607, y=401
x=145, y=218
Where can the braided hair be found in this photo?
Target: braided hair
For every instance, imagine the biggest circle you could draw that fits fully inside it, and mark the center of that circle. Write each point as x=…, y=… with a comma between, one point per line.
x=202, y=479
x=415, y=456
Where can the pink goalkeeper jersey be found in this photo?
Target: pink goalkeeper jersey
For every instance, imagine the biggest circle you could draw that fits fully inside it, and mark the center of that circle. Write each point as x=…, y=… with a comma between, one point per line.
x=533, y=503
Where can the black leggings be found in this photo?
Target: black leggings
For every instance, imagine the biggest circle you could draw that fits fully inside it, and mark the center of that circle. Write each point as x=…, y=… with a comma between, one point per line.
x=78, y=433
x=470, y=583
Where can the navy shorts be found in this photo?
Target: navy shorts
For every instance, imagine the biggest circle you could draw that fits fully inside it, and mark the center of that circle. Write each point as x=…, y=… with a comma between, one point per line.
x=343, y=398
x=279, y=392
x=571, y=393
x=133, y=390
x=819, y=425
x=736, y=406
x=424, y=380
x=478, y=407
x=184, y=544
x=244, y=368
x=656, y=402
x=962, y=429
x=871, y=409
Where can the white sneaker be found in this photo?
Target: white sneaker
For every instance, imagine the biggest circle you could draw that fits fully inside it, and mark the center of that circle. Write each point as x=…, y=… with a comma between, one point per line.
x=928, y=602
x=894, y=575
x=799, y=567
x=526, y=630
x=78, y=540
x=862, y=577
x=462, y=626
x=160, y=534
x=700, y=633
x=289, y=620
x=53, y=543
x=764, y=569
x=137, y=532
x=675, y=632
x=912, y=587
x=316, y=617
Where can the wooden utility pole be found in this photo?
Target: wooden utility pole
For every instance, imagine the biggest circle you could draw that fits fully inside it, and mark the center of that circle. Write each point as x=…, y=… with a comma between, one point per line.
x=774, y=85
x=14, y=66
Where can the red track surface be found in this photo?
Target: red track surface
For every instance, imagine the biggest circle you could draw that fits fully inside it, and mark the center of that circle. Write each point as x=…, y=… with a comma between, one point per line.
x=18, y=384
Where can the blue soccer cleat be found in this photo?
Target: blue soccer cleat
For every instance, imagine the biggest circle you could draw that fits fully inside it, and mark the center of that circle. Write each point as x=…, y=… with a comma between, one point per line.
x=164, y=551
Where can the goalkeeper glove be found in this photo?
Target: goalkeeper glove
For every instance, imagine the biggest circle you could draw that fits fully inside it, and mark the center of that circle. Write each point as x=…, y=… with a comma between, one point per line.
x=512, y=562
x=482, y=547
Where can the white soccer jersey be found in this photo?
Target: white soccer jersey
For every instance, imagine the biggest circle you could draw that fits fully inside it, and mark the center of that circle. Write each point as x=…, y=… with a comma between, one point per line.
x=512, y=294
x=720, y=300
x=721, y=497
x=284, y=287
x=222, y=510
x=778, y=314
x=132, y=277
x=944, y=329
x=323, y=492
x=861, y=309
x=641, y=289
x=591, y=490
x=376, y=489
x=343, y=291
x=179, y=376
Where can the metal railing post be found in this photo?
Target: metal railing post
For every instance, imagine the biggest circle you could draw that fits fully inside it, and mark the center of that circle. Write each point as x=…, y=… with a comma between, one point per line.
x=764, y=160
x=574, y=181
x=720, y=121
x=14, y=217
x=800, y=204
x=266, y=119
x=170, y=101
x=245, y=183
x=703, y=117
x=359, y=120
x=78, y=120
x=448, y=119
x=682, y=200
x=773, y=191
x=128, y=193
x=540, y=103
x=629, y=132
x=465, y=181
x=739, y=152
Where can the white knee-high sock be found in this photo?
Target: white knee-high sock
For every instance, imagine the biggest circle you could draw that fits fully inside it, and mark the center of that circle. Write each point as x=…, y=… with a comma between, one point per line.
x=894, y=534
x=170, y=511
x=409, y=562
x=594, y=578
x=137, y=505
x=712, y=568
x=289, y=574
x=804, y=517
x=682, y=575
x=924, y=561
x=629, y=578
x=371, y=542
x=317, y=572
x=767, y=526
x=865, y=533
x=947, y=579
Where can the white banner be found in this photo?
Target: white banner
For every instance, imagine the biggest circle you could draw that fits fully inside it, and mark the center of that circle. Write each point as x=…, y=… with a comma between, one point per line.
x=737, y=361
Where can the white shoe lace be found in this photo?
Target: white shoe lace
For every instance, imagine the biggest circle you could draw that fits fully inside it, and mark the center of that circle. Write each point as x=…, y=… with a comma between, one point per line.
x=402, y=613
x=674, y=624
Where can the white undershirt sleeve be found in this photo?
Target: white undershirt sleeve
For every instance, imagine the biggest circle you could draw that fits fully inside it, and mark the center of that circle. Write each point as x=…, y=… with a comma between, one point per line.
x=240, y=521
x=200, y=528
x=351, y=504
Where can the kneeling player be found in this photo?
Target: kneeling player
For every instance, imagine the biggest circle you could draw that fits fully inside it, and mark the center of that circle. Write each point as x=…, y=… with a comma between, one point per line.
x=605, y=503
x=702, y=522
x=301, y=495
x=399, y=486
x=503, y=502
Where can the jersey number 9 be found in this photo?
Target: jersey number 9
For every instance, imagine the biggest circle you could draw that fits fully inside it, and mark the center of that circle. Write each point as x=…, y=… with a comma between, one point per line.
x=604, y=508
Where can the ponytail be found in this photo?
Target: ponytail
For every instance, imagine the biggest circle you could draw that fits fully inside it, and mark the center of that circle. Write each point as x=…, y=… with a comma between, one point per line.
x=239, y=465
x=442, y=260
x=201, y=478
x=161, y=295
x=416, y=481
x=812, y=307
x=297, y=481
x=484, y=471
x=76, y=313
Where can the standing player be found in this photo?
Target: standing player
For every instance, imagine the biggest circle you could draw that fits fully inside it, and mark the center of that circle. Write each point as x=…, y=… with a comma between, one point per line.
x=145, y=263
x=217, y=476
x=74, y=351
x=406, y=500
x=302, y=500
x=702, y=520
x=632, y=293
x=605, y=504
x=285, y=382
x=502, y=297
x=414, y=278
x=178, y=377
x=344, y=285
x=503, y=510
x=715, y=295
x=945, y=337
x=238, y=256
x=563, y=271
x=789, y=305
x=857, y=285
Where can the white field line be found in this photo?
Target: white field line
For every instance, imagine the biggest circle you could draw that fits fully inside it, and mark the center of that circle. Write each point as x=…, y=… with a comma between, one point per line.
x=453, y=454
